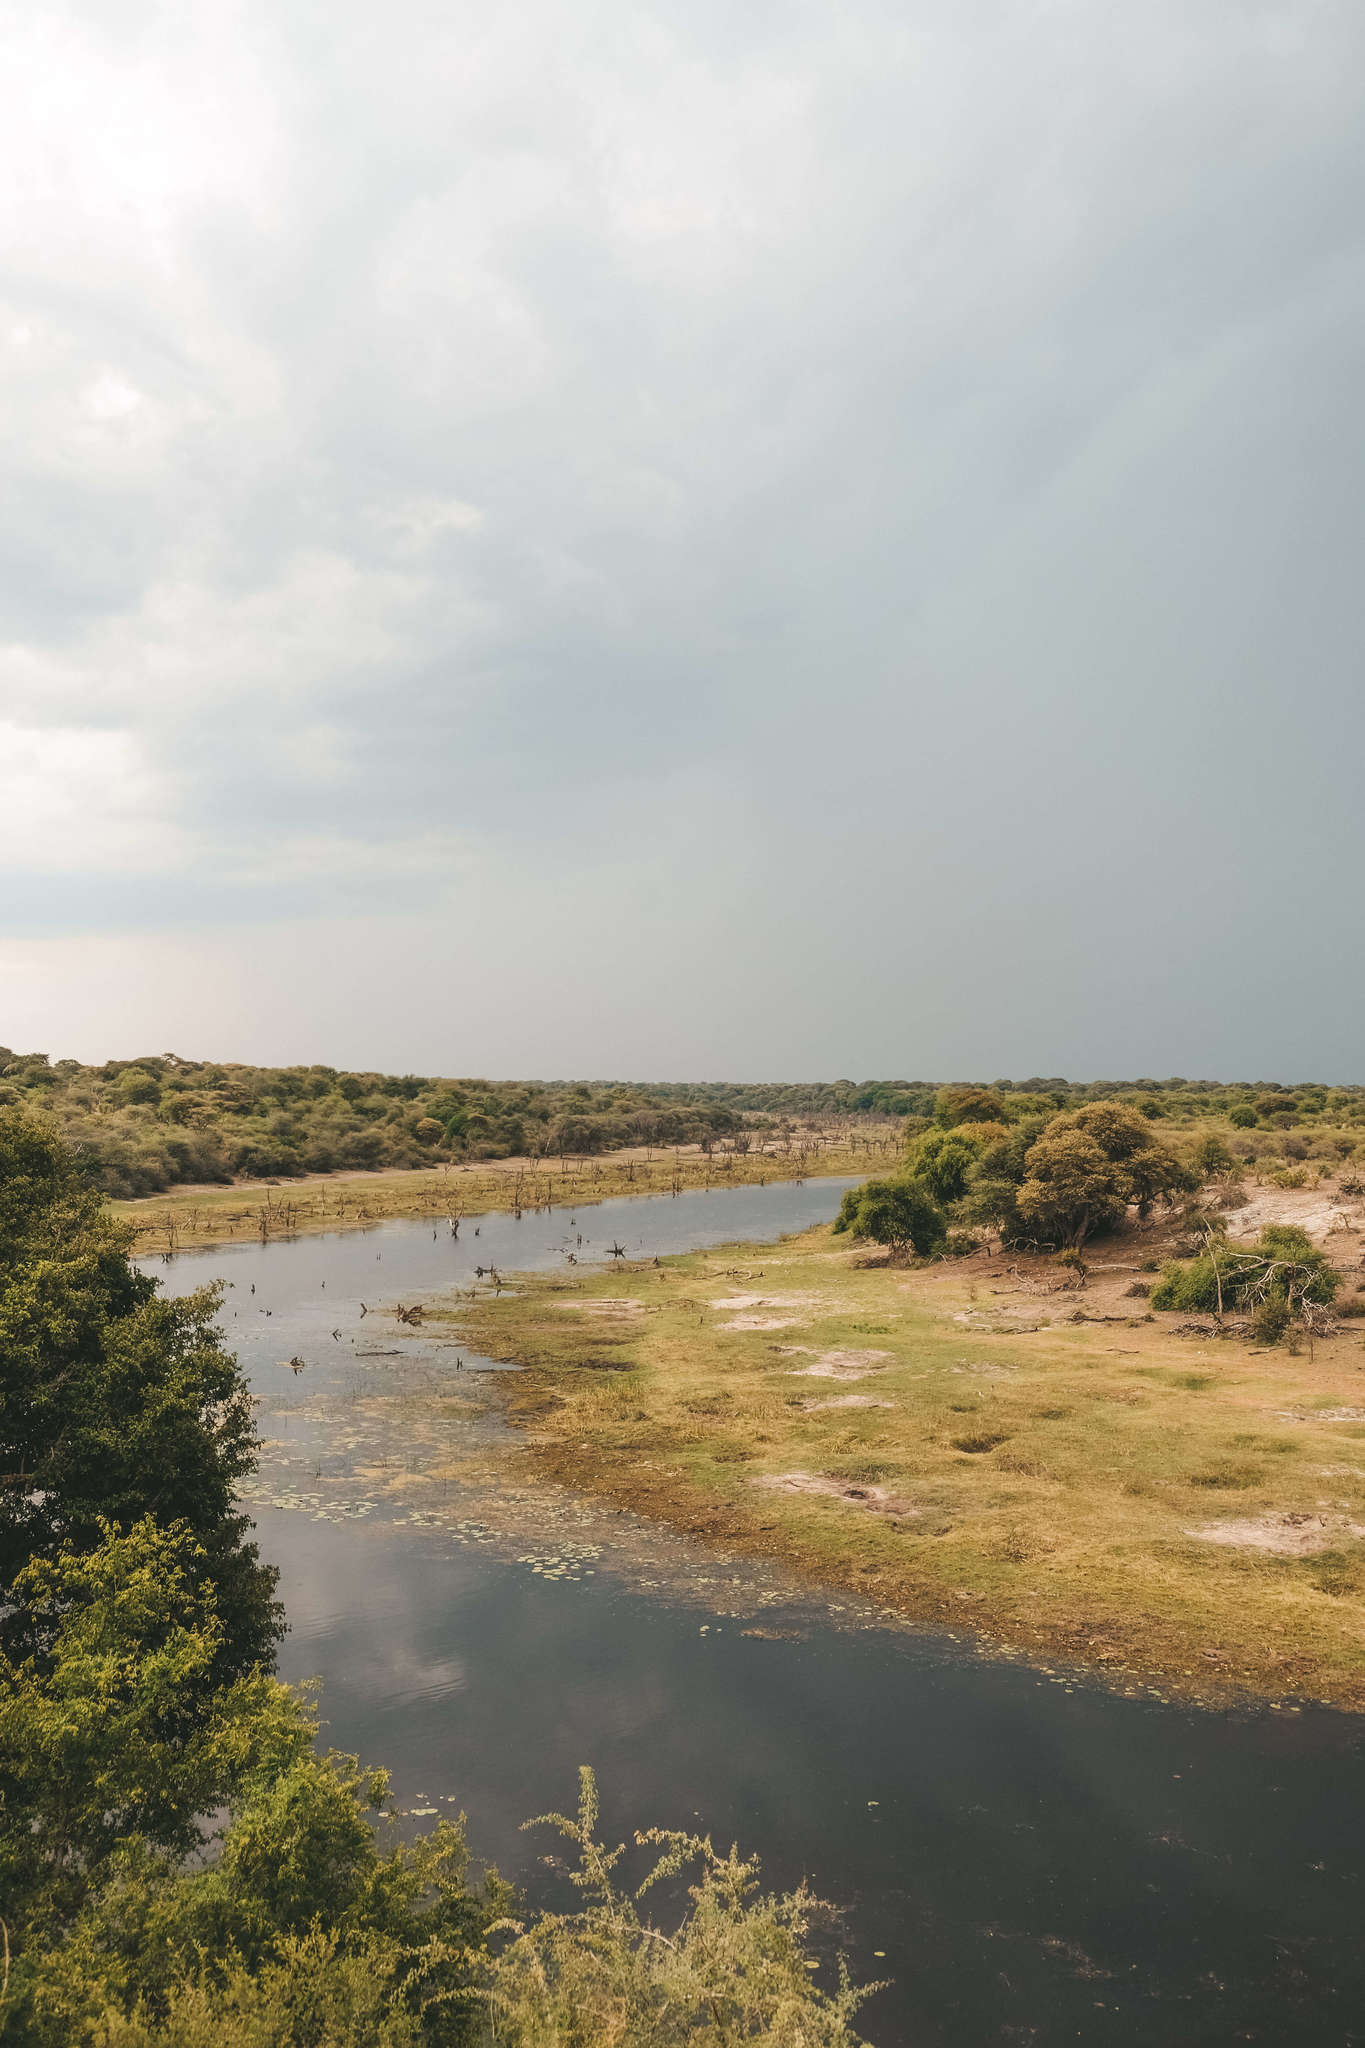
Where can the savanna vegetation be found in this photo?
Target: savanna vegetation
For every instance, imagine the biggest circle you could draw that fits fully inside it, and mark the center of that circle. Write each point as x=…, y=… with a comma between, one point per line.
x=158, y=1121
x=179, y=1867
x=448, y=1191
x=1025, y=1445
x=1037, y=1177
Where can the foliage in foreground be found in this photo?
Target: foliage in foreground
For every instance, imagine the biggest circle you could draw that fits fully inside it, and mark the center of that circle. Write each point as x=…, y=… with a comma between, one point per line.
x=115, y=1403
x=292, y=1923
x=116, y=1752
x=179, y=1868
x=736, y=1968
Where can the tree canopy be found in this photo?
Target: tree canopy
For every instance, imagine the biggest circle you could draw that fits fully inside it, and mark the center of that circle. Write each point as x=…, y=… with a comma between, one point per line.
x=115, y=1403
x=901, y=1214
x=179, y=1868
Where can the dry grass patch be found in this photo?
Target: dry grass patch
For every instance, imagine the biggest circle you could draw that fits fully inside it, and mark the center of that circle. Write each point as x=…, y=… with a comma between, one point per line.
x=1060, y=1489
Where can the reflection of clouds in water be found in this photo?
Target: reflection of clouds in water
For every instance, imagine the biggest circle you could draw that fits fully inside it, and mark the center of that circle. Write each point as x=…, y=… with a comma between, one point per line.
x=356, y=1611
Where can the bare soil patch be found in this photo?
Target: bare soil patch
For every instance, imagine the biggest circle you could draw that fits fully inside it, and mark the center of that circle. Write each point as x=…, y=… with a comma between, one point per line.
x=845, y=1401
x=1291, y=1535
x=855, y=1494
x=836, y=1365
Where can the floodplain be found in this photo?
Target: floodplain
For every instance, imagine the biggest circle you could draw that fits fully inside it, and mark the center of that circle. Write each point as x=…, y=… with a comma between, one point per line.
x=987, y=1442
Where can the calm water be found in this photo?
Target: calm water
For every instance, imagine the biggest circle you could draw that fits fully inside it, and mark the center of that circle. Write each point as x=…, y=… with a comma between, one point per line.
x=1036, y=1863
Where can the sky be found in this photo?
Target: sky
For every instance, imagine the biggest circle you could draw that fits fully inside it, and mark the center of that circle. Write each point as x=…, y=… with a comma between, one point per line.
x=681, y=540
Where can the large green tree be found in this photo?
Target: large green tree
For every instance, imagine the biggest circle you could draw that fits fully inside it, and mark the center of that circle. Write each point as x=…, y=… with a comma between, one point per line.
x=1087, y=1168
x=115, y=1402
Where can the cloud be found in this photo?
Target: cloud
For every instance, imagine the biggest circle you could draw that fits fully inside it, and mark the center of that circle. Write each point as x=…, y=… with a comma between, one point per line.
x=73, y=800
x=887, y=479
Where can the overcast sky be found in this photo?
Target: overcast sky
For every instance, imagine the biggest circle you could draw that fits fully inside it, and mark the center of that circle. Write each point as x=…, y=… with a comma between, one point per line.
x=664, y=538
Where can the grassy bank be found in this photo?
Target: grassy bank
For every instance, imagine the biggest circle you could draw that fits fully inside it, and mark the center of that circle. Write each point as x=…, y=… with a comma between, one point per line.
x=190, y=1217
x=952, y=1442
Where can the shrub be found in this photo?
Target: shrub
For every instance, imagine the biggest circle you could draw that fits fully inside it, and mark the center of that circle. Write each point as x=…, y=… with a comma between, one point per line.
x=896, y=1213
x=1211, y=1156
x=1283, y=1267
x=1242, y=1116
x=737, y=1969
x=1270, y=1320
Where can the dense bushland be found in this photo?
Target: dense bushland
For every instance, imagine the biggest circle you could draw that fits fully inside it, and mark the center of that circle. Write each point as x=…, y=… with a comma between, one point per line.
x=1037, y=1179
x=1044, y=1178
x=143, y=1125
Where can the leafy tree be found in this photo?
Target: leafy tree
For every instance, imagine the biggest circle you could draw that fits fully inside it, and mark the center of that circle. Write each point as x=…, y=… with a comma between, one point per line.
x=1211, y=1156
x=115, y=1724
x=942, y=1161
x=1088, y=1166
x=961, y=1104
x=897, y=1213
x=1242, y=1116
x=115, y=1403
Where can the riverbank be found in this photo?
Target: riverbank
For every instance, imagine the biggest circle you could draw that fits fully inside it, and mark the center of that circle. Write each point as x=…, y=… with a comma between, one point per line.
x=189, y=1219
x=972, y=1444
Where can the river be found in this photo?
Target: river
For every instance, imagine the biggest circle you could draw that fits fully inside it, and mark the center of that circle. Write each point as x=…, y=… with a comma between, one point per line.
x=1030, y=1858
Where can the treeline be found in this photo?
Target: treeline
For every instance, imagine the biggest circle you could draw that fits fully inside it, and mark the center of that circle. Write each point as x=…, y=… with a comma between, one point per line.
x=179, y=1866
x=990, y=1163
x=143, y=1125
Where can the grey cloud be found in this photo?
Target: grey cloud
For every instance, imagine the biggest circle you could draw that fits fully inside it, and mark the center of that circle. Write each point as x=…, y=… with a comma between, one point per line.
x=892, y=475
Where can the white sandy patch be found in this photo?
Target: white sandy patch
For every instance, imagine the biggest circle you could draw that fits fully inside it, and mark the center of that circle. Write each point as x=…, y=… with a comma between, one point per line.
x=766, y=1301
x=874, y=1497
x=1319, y=1211
x=1320, y=1414
x=845, y=1401
x=763, y=1323
x=622, y=1307
x=1295, y=1535
x=835, y=1365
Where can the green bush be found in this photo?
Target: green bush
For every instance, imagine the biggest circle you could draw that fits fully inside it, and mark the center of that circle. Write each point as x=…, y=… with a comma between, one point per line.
x=942, y=1162
x=1284, y=1266
x=1270, y=1319
x=900, y=1214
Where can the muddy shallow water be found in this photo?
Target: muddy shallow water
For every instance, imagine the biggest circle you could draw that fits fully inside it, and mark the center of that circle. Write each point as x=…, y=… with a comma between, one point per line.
x=1031, y=1859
